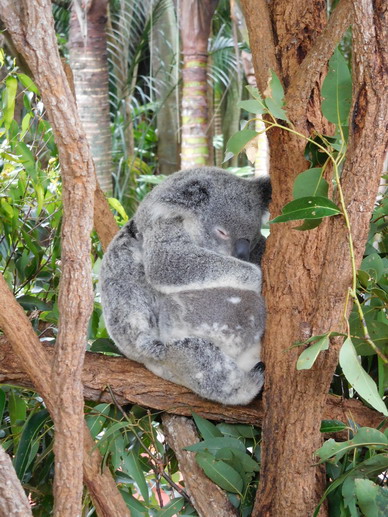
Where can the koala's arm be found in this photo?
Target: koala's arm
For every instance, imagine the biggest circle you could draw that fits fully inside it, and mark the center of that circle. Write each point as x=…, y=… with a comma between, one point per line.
x=173, y=263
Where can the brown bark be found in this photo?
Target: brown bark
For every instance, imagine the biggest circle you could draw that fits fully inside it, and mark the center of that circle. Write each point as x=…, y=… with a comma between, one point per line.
x=207, y=498
x=195, y=20
x=132, y=383
x=305, y=286
x=89, y=62
x=29, y=351
x=13, y=500
x=31, y=27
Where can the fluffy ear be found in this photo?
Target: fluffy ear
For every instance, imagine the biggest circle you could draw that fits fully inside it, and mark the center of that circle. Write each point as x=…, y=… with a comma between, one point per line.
x=190, y=194
x=265, y=190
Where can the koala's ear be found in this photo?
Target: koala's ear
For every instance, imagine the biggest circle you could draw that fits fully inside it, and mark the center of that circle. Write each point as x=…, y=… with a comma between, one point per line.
x=265, y=190
x=190, y=194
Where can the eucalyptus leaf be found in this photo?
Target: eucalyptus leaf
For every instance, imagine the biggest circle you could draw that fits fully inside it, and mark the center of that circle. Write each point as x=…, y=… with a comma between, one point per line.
x=276, y=110
x=239, y=140
x=252, y=106
x=172, y=508
x=28, y=83
x=312, y=207
x=11, y=86
x=361, y=381
x=206, y=428
x=372, y=498
x=308, y=224
x=332, y=426
x=310, y=183
x=131, y=466
x=220, y=472
x=254, y=92
x=308, y=357
x=214, y=444
x=337, y=90
x=137, y=507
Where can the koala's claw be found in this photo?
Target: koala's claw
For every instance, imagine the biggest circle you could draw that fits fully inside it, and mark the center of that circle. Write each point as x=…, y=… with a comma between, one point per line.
x=259, y=367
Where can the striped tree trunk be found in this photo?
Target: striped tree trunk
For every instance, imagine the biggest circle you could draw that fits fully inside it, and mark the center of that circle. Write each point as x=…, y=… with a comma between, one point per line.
x=88, y=60
x=195, y=20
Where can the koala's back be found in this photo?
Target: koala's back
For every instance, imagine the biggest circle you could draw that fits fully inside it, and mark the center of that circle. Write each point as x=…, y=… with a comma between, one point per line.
x=129, y=302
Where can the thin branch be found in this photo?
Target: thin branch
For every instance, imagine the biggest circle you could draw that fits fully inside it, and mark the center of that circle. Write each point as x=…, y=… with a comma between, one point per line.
x=314, y=63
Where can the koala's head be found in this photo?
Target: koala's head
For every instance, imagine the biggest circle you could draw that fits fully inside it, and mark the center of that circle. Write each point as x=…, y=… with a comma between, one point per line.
x=220, y=211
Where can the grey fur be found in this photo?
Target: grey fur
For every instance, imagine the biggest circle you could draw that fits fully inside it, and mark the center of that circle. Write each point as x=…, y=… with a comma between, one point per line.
x=176, y=299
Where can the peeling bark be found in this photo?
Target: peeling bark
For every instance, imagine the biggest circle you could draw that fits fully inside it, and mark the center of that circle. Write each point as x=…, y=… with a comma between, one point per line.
x=13, y=500
x=207, y=498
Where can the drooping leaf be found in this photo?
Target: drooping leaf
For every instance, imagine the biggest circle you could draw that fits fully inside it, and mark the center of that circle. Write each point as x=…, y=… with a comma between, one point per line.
x=365, y=437
x=220, y=472
x=239, y=140
x=313, y=207
x=172, y=508
x=137, y=507
x=131, y=466
x=116, y=205
x=30, y=431
x=252, y=106
x=372, y=498
x=308, y=224
x=337, y=90
x=2, y=404
x=373, y=264
x=254, y=92
x=206, y=428
x=332, y=426
x=307, y=357
x=97, y=419
x=29, y=302
x=310, y=183
x=11, y=86
x=277, y=91
x=361, y=381
x=214, y=444
x=247, y=463
x=276, y=110
x=28, y=83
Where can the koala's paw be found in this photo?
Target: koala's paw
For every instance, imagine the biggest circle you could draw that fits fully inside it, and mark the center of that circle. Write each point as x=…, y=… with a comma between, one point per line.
x=257, y=374
x=153, y=349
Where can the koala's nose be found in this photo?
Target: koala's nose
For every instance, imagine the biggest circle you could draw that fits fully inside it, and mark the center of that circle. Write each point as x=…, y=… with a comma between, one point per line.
x=242, y=249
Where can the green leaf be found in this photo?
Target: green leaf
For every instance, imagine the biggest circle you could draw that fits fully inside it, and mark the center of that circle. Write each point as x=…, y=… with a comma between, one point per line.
x=206, y=428
x=332, y=426
x=358, y=377
x=11, y=86
x=308, y=224
x=17, y=409
x=105, y=345
x=96, y=422
x=310, y=183
x=220, y=472
x=277, y=91
x=28, y=83
x=247, y=463
x=172, y=508
x=372, y=499
x=136, y=507
x=307, y=357
x=252, y=106
x=2, y=405
x=132, y=467
x=337, y=91
x=254, y=92
x=373, y=264
x=214, y=444
x=116, y=205
x=275, y=110
x=239, y=140
x=365, y=437
x=30, y=431
x=313, y=207
x=29, y=302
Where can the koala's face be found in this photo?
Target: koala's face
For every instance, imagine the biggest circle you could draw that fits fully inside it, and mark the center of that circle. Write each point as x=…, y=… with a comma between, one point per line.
x=220, y=211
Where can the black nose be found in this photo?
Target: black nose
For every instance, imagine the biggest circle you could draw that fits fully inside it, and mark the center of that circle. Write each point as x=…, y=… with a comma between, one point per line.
x=242, y=249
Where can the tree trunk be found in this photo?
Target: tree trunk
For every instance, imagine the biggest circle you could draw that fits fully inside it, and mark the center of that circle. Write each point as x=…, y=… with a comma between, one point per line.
x=305, y=287
x=166, y=70
x=195, y=20
x=13, y=500
x=89, y=62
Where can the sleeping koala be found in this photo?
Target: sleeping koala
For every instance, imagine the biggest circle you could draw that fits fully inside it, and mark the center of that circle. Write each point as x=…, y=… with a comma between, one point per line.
x=181, y=283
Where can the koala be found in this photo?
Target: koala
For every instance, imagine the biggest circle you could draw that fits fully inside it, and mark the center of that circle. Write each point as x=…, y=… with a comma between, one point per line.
x=180, y=283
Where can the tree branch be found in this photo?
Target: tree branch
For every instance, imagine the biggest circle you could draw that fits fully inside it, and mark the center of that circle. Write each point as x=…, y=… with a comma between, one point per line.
x=302, y=83
x=132, y=383
x=207, y=498
x=13, y=500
